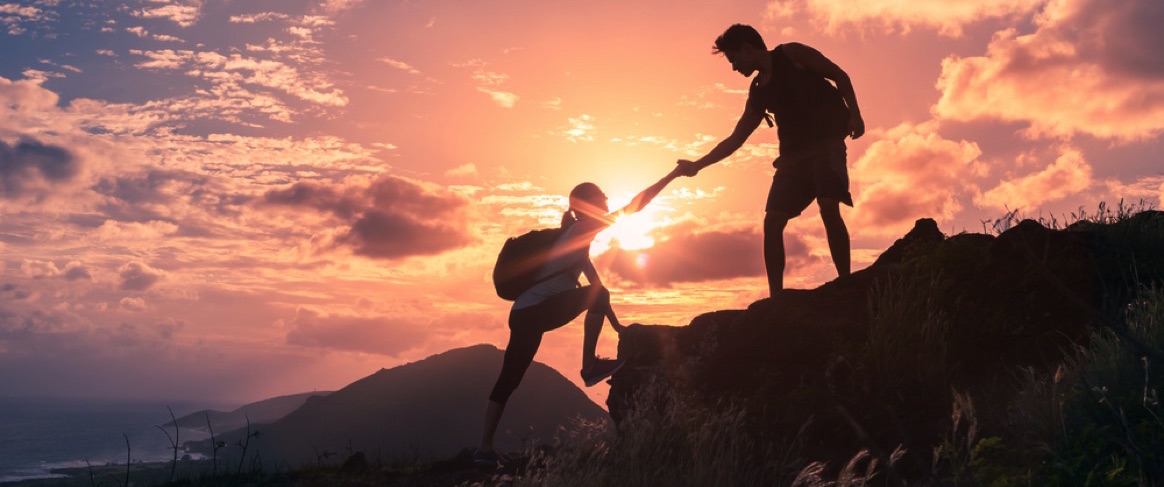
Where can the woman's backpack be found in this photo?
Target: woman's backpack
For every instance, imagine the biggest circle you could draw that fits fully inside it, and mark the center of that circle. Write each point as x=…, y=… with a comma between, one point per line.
x=520, y=260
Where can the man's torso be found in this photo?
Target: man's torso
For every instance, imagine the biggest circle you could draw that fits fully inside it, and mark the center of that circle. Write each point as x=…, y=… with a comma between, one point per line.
x=806, y=106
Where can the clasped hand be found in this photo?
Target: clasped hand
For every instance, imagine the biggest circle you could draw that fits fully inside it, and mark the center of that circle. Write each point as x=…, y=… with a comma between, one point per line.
x=686, y=168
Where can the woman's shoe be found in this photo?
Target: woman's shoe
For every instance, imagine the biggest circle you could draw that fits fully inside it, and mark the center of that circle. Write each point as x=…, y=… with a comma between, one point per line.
x=482, y=458
x=600, y=369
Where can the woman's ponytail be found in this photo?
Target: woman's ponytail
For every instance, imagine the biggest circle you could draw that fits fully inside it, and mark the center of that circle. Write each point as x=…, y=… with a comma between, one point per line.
x=568, y=218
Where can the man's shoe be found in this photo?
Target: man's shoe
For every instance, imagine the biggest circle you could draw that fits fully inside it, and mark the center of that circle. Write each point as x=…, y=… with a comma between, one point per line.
x=600, y=369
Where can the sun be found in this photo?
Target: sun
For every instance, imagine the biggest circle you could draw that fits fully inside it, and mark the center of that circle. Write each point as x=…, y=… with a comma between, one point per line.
x=630, y=232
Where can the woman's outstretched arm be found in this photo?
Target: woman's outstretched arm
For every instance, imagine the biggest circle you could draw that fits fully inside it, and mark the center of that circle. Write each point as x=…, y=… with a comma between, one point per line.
x=640, y=200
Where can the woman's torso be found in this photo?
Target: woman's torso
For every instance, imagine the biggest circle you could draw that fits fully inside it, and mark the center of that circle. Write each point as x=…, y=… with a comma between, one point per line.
x=560, y=273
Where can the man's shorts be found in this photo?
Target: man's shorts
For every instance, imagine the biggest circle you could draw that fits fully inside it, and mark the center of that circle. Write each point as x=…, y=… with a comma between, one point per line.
x=805, y=176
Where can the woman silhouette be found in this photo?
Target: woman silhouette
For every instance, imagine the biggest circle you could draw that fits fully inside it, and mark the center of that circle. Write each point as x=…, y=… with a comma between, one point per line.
x=558, y=298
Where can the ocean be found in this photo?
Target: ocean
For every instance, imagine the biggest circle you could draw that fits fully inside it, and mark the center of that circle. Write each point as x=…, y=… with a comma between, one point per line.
x=39, y=434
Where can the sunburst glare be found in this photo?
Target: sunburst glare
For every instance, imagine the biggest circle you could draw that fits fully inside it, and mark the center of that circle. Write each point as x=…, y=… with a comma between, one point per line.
x=632, y=232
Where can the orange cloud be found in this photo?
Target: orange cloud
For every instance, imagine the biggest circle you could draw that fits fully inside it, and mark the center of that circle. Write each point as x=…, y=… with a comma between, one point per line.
x=464, y=170
x=401, y=65
x=138, y=276
x=488, y=82
x=260, y=17
x=337, y=6
x=130, y=232
x=1148, y=189
x=911, y=173
x=183, y=15
x=380, y=335
x=502, y=98
x=229, y=74
x=581, y=129
x=13, y=16
x=687, y=255
x=38, y=269
x=1069, y=175
x=947, y=17
x=132, y=304
x=1090, y=67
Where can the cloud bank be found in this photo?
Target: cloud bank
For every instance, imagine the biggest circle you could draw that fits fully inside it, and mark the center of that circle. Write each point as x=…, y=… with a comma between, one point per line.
x=1090, y=67
x=390, y=218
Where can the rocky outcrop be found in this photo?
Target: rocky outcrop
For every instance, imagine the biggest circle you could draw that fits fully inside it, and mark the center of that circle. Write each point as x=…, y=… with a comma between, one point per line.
x=872, y=360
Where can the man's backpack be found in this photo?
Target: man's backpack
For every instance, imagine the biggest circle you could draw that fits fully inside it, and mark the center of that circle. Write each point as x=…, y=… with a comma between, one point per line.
x=520, y=260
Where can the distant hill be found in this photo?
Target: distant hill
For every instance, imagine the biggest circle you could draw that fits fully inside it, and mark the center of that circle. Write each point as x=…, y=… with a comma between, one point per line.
x=429, y=409
x=265, y=411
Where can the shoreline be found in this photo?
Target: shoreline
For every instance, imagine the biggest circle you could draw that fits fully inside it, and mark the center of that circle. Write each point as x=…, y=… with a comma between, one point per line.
x=142, y=473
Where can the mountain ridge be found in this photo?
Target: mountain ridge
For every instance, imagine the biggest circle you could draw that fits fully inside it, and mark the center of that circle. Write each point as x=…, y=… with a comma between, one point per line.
x=427, y=409
x=261, y=411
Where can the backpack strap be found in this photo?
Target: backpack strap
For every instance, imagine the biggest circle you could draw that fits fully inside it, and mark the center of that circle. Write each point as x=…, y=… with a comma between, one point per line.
x=553, y=275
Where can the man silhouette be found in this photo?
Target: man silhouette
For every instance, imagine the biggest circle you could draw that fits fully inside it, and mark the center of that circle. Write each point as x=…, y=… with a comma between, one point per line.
x=812, y=118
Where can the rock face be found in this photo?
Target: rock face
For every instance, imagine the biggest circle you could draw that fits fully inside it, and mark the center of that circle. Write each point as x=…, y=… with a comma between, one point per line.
x=873, y=360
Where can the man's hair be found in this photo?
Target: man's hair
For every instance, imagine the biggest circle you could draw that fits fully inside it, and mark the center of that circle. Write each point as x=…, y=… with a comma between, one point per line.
x=737, y=35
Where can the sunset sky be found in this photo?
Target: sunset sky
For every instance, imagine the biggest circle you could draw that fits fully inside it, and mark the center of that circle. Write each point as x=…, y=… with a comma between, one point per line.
x=233, y=200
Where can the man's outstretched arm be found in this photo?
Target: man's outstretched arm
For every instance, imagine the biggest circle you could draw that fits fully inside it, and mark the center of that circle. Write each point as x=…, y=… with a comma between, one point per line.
x=747, y=124
x=812, y=60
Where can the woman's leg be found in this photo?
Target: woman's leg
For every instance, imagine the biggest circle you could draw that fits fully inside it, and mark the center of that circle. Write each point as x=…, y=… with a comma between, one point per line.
x=563, y=308
x=525, y=335
x=592, y=324
x=519, y=354
x=493, y=412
